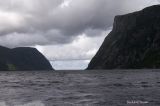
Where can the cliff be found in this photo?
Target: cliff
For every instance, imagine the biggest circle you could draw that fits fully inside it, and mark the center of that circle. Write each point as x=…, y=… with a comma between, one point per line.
x=134, y=42
x=21, y=59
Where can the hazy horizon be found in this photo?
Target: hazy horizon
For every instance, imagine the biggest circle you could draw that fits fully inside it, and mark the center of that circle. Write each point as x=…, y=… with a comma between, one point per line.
x=70, y=64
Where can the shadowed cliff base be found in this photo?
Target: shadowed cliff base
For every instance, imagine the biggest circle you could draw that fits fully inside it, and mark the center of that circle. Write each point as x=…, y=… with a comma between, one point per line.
x=134, y=42
x=22, y=59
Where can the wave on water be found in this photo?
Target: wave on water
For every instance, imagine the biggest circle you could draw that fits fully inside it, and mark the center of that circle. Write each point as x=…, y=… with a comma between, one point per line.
x=35, y=103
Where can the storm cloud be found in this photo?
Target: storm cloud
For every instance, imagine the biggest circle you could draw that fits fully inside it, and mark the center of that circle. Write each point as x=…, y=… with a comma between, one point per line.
x=48, y=22
x=62, y=29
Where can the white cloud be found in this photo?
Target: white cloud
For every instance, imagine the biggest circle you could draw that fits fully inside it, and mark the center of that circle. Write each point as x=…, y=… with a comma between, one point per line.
x=92, y=52
x=84, y=47
x=10, y=21
x=65, y=3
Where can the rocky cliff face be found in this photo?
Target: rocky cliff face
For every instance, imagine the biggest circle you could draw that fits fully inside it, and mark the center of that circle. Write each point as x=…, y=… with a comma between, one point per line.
x=133, y=43
x=21, y=59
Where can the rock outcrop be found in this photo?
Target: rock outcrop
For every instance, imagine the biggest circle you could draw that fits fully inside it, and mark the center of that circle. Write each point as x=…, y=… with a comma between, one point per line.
x=134, y=42
x=21, y=59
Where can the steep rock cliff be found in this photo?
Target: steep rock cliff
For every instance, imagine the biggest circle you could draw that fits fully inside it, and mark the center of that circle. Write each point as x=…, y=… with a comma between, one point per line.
x=134, y=42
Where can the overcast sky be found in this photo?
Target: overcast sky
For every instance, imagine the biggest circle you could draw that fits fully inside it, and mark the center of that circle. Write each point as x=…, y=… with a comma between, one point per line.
x=62, y=29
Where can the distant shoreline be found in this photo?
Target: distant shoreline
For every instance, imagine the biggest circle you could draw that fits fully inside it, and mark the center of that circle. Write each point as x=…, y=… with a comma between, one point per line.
x=92, y=71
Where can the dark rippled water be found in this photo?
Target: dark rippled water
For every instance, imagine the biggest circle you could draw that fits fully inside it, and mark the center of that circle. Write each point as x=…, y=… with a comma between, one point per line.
x=110, y=88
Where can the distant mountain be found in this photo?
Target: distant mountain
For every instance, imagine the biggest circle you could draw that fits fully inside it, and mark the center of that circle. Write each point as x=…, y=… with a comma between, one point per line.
x=134, y=42
x=21, y=59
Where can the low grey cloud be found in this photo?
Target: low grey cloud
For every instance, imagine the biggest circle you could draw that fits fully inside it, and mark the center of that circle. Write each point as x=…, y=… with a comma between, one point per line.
x=83, y=47
x=48, y=22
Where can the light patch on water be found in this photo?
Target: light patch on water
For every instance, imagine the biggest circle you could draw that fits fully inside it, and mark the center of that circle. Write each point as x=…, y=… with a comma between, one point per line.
x=35, y=103
x=3, y=104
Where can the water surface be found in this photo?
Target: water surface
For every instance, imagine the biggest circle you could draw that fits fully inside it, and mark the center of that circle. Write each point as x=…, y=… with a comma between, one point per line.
x=97, y=88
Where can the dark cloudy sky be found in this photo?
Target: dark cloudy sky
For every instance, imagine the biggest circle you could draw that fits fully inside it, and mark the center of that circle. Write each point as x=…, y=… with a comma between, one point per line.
x=62, y=29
